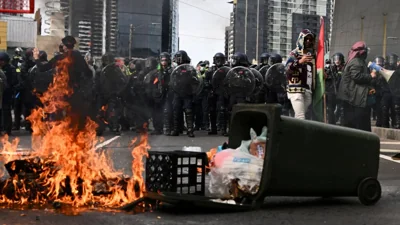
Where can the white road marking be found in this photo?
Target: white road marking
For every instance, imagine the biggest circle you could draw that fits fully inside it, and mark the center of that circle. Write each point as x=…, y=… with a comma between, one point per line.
x=25, y=151
x=106, y=142
x=390, y=143
x=390, y=150
x=389, y=158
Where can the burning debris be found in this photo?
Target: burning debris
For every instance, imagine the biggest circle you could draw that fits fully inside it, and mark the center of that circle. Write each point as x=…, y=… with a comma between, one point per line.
x=64, y=167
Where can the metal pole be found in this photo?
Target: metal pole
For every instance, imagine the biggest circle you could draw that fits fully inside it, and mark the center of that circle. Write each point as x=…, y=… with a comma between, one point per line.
x=130, y=40
x=258, y=23
x=245, y=30
x=384, y=34
x=362, y=28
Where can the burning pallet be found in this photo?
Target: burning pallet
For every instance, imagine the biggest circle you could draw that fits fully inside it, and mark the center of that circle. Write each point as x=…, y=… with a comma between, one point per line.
x=29, y=182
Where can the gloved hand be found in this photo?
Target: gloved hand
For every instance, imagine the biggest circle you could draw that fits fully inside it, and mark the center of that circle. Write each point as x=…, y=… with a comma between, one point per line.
x=374, y=66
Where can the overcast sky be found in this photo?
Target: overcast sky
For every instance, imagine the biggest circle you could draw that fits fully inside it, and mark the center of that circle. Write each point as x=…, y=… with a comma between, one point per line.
x=202, y=27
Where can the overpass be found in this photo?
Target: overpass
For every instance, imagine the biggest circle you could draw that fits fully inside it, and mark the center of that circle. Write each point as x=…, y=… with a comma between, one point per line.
x=377, y=22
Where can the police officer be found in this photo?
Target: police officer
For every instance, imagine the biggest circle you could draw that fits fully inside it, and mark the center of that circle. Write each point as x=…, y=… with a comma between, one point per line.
x=332, y=81
x=21, y=92
x=17, y=59
x=391, y=64
x=201, y=101
x=263, y=62
x=155, y=96
x=80, y=79
x=238, y=59
x=217, y=102
x=11, y=75
x=277, y=84
x=337, y=68
x=164, y=75
x=383, y=97
x=182, y=103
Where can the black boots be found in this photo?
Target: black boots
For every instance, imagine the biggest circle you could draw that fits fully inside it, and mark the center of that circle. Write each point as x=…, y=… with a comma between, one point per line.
x=213, y=121
x=397, y=116
x=384, y=114
x=189, y=122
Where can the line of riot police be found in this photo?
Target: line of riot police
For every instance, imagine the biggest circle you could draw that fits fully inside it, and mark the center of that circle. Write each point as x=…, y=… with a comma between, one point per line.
x=175, y=95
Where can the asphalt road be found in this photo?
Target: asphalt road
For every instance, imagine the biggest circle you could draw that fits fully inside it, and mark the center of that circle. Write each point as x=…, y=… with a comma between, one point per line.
x=277, y=210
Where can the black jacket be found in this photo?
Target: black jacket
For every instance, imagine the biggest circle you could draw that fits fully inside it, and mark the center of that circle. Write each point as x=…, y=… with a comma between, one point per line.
x=355, y=82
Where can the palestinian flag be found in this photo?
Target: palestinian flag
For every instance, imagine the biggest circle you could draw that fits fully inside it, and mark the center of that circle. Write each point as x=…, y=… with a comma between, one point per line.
x=318, y=95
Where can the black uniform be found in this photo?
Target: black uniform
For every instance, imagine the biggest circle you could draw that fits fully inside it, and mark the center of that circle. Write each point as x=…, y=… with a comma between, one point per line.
x=262, y=68
x=80, y=79
x=202, y=121
x=395, y=109
x=23, y=93
x=217, y=100
x=275, y=80
x=333, y=71
x=11, y=74
x=239, y=60
x=182, y=102
x=155, y=95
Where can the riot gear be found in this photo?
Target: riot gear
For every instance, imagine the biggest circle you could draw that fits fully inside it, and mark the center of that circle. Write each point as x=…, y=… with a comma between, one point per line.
x=107, y=59
x=274, y=59
x=18, y=51
x=167, y=56
x=338, y=59
x=181, y=57
x=219, y=59
x=185, y=83
x=391, y=60
x=4, y=57
x=379, y=60
x=264, y=59
x=240, y=59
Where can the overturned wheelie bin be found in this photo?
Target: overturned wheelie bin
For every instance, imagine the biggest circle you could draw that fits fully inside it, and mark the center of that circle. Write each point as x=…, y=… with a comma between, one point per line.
x=302, y=158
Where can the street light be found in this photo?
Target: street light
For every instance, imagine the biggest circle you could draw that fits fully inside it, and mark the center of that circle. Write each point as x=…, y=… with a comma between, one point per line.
x=131, y=30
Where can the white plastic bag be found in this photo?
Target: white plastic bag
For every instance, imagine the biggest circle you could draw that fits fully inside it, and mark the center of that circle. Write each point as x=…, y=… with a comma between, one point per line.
x=231, y=165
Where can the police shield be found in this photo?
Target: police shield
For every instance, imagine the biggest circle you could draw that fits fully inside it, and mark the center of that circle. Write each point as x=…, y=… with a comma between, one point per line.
x=184, y=80
x=263, y=70
x=259, y=81
x=218, y=79
x=112, y=80
x=275, y=78
x=239, y=81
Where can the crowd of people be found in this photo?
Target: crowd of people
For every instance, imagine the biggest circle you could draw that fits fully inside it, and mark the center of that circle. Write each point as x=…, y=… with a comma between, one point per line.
x=178, y=97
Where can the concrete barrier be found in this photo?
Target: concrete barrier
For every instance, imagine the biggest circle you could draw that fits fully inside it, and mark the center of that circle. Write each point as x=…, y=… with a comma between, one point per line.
x=387, y=133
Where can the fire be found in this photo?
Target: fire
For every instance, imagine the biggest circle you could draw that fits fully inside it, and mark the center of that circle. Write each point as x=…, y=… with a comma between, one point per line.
x=67, y=168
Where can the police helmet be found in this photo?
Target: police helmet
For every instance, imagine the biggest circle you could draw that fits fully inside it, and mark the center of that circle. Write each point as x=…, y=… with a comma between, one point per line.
x=181, y=57
x=240, y=59
x=274, y=58
x=18, y=51
x=264, y=58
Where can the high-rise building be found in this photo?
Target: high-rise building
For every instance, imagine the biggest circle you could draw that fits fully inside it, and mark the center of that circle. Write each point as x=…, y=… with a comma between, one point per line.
x=170, y=26
x=248, y=27
x=267, y=25
x=281, y=21
x=94, y=22
x=230, y=38
x=155, y=26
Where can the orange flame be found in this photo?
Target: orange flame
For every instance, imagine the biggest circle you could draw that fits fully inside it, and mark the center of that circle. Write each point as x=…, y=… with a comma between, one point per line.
x=71, y=170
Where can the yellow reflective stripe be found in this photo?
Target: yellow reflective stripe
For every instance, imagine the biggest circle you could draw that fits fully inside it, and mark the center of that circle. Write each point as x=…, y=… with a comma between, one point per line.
x=18, y=70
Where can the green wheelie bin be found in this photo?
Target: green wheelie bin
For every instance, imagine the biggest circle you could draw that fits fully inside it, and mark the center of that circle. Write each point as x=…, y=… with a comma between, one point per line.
x=307, y=158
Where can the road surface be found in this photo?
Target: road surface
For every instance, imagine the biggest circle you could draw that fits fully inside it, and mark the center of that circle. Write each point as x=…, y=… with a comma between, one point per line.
x=277, y=210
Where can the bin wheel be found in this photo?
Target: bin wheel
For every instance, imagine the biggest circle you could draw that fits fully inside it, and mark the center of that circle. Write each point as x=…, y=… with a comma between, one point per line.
x=369, y=191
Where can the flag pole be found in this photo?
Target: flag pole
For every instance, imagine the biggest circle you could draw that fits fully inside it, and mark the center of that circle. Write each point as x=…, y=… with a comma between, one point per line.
x=325, y=117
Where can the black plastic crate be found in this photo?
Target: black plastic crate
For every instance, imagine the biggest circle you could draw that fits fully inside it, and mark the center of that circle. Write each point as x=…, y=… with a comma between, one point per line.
x=179, y=172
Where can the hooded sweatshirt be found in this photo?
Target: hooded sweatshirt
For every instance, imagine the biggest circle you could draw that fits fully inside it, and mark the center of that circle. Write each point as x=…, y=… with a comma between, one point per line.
x=301, y=77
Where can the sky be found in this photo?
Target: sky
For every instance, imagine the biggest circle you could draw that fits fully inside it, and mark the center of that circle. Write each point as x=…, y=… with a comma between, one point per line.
x=202, y=27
